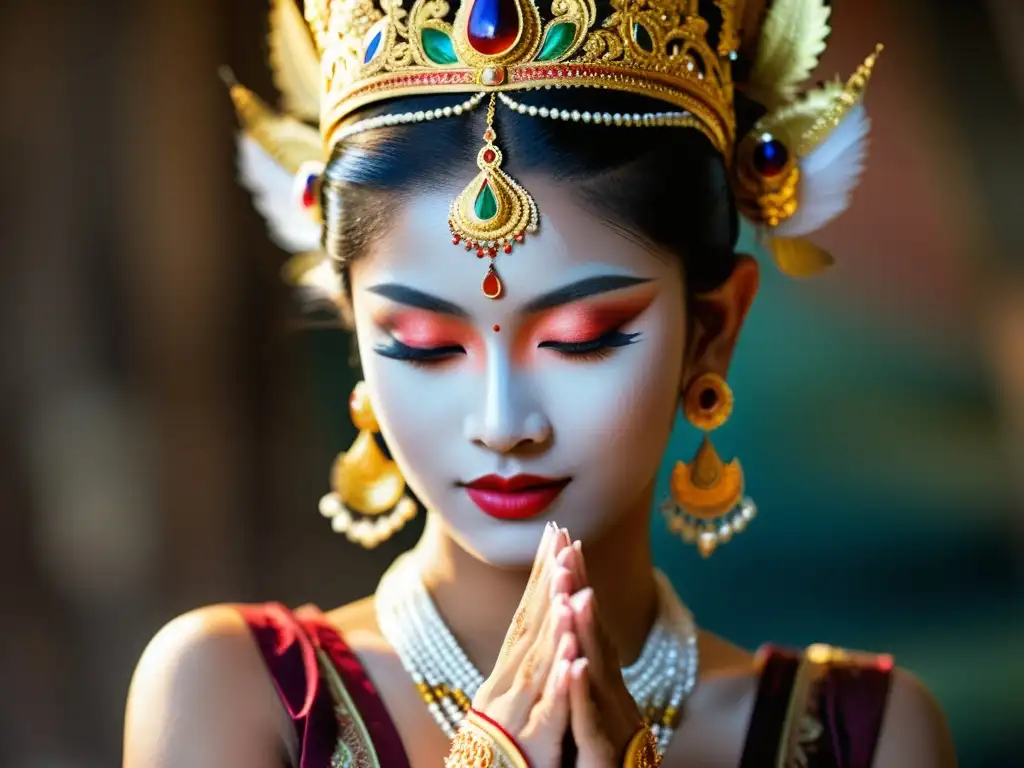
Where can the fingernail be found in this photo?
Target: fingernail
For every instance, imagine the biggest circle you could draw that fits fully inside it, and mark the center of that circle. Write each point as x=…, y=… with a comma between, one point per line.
x=581, y=599
x=579, y=667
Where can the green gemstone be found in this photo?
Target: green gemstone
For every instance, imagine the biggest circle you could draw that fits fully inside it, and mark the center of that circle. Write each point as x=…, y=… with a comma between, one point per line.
x=557, y=41
x=438, y=46
x=643, y=37
x=486, y=205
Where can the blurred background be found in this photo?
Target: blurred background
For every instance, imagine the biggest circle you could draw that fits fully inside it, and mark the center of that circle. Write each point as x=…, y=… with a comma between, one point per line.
x=168, y=416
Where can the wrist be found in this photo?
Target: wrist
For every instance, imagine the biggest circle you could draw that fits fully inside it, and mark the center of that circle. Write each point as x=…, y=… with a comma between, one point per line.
x=482, y=741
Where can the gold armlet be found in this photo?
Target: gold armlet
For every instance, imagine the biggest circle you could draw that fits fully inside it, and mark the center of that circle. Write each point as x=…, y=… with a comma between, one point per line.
x=642, y=751
x=482, y=743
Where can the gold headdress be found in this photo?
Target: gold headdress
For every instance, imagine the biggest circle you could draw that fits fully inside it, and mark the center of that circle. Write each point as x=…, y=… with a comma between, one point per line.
x=792, y=173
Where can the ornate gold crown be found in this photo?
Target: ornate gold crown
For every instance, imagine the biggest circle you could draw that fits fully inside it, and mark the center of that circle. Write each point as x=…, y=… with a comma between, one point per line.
x=791, y=174
x=656, y=48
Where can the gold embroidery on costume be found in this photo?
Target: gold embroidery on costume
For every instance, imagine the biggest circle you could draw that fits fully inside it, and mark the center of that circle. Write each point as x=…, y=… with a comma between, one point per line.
x=354, y=748
x=803, y=729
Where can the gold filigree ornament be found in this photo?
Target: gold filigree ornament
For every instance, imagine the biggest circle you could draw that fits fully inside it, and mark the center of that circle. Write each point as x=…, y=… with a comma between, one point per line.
x=481, y=743
x=367, y=501
x=706, y=505
x=642, y=751
x=791, y=174
x=493, y=211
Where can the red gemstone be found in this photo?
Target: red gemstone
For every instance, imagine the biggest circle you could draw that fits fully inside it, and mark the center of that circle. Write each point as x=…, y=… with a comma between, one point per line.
x=491, y=252
x=493, y=26
x=456, y=239
x=480, y=252
x=520, y=237
x=508, y=247
x=469, y=246
x=492, y=285
x=489, y=155
x=489, y=135
x=309, y=193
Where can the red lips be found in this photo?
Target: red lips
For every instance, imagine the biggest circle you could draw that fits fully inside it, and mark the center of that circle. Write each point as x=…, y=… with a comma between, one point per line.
x=519, y=497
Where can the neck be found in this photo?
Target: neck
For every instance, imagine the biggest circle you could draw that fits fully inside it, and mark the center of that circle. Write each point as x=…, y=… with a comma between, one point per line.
x=478, y=601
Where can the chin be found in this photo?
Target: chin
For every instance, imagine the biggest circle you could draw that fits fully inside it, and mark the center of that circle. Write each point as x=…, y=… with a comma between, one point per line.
x=504, y=544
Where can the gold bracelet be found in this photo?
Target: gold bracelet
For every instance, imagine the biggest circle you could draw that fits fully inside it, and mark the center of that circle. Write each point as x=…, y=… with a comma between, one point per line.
x=642, y=751
x=482, y=743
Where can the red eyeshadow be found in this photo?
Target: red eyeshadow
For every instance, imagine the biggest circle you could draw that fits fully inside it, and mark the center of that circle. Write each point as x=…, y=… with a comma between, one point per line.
x=582, y=322
x=425, y=330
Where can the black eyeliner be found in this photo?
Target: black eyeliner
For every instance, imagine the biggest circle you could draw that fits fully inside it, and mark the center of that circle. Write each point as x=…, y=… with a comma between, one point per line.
x=610, y=340
x=396, y=350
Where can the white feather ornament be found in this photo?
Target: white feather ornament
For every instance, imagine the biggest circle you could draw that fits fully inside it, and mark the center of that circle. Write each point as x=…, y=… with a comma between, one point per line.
x=825, y=133
x=294, y=61
x=828, y=176
x=273, y=194
x=792, y=39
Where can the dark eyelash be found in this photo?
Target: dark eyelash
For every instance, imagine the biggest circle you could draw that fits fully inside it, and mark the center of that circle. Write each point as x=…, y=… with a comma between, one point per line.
x=593, y=349
x=396, y=350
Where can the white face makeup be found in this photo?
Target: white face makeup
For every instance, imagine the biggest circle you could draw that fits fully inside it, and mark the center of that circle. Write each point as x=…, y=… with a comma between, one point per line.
x=574, y=374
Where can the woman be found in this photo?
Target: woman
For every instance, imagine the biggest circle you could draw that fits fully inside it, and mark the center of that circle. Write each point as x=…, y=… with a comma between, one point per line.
x=596, y=157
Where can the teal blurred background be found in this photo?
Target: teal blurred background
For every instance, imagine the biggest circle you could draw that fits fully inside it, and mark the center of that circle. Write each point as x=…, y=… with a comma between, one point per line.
x=168, y=412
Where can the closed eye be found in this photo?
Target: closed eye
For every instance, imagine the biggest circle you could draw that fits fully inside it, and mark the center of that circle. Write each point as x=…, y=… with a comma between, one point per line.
x=592, y=349
x=396, y=350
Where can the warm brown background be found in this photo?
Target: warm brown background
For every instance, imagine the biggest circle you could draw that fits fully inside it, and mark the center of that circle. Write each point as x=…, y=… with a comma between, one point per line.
x=164, y=437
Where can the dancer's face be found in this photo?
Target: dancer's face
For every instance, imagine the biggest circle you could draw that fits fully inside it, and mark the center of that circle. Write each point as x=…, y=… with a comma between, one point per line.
x=573, y=375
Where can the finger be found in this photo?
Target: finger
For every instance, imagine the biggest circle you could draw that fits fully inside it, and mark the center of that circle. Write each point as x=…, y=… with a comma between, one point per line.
x=581, y=564
x=540, y=558
x=551, y=715
x=527, y=614
x=536, y=667
x=582, y=604
x=560, y=541
x=603, y=667
x=561, y=583
x=582, y=712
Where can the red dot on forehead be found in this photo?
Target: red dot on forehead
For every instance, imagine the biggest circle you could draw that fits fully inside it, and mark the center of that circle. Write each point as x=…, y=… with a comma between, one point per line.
x=497, y=328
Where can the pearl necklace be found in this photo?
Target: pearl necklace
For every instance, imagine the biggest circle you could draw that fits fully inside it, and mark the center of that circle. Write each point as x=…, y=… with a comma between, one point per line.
x=660, y=680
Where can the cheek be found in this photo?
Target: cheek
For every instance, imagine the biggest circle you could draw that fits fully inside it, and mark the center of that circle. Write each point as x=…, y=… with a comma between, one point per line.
x=623, y=408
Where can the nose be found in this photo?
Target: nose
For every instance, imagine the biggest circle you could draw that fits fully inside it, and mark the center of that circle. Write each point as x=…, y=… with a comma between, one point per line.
x=509, y=418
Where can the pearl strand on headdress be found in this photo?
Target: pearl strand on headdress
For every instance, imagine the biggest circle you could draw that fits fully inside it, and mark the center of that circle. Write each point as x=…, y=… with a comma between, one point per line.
x=402, y=118
x=637, y=119
x=659, y=680
x=646, y=119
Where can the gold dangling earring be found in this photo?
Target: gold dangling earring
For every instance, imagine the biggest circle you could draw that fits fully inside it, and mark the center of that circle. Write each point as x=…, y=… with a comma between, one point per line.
x=707, y=504
x=367, y=502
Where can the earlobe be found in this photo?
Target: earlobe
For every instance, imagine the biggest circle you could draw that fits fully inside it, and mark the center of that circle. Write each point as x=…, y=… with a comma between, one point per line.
x=718, y=317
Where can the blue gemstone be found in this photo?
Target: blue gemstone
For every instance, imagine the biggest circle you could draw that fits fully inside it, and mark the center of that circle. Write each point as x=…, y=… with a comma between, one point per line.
x=770, y=156
x=493, y=26
x=371, y=48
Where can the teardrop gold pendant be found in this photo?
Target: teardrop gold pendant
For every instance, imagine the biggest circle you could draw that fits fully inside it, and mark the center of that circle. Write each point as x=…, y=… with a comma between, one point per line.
x=493, y=212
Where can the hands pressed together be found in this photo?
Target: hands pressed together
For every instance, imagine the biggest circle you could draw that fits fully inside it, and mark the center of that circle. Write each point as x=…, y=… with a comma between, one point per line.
x=558, y=673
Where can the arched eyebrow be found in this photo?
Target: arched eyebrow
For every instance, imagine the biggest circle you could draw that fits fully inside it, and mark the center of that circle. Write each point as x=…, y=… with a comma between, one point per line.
x=566, y=294
x=581, y=289
x=403, y=294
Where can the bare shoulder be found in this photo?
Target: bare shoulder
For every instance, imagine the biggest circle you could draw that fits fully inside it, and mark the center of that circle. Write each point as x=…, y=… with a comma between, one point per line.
x=915, y=730
x=718, y=712
x=201, y=696
x=357, y=623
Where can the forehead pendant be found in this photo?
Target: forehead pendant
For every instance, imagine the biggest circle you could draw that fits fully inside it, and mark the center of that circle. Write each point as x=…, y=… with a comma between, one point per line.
x=493, y=212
